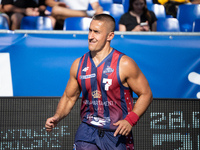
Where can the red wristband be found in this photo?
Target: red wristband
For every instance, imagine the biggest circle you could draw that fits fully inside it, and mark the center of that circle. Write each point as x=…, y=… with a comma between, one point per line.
x=132, y=118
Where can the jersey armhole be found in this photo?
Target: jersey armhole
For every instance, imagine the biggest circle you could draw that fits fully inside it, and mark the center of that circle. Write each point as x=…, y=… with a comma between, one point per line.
x=79, y=65
x=118, y=77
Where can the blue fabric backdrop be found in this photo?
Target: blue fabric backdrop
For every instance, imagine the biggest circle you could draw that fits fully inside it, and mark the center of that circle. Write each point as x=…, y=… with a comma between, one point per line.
x=40, y=63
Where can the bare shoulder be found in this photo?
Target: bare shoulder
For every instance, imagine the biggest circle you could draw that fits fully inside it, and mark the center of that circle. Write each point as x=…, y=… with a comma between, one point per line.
x=74, y=67
x=128, y=65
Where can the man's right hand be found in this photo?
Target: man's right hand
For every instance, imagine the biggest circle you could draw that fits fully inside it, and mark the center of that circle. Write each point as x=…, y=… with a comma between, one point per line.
x=51, y=123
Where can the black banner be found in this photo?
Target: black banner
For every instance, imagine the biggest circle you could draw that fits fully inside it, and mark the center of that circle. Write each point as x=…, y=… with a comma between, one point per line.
x=168, y=124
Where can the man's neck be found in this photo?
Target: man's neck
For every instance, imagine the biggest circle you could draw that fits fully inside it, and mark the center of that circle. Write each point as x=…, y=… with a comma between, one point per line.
x=99, y=56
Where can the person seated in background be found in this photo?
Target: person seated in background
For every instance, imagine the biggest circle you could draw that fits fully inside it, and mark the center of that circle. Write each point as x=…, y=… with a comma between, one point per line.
x=138, y=18
x=72, y=8
x=17, y=9
x=2, y=13
x=171, y=6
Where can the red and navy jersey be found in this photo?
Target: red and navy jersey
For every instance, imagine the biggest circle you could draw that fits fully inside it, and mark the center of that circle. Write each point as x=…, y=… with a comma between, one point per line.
x=104, y=99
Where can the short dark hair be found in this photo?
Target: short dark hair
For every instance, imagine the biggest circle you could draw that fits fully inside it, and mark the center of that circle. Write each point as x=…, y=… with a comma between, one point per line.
x=107, y=18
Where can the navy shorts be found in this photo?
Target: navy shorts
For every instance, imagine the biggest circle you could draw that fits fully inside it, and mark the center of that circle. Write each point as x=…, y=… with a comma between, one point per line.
x=90, y=138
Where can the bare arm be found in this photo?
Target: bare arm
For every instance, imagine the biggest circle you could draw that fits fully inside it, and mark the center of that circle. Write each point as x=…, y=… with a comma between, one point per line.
x=12, y=8
x=137, y=28
x=27, y=11
x=68, y=99
x=154, y=26
x=51, y=3
x=122, y=27
x=135, y=79
x=97, y=7
x=131, y=76
x=195, y=1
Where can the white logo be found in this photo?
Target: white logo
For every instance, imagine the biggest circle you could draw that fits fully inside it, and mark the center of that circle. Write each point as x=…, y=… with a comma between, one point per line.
x=108, y=83
x=88, y=76
x=195, y=78
x=108, y=70
x=85, y=69
x=98, y=121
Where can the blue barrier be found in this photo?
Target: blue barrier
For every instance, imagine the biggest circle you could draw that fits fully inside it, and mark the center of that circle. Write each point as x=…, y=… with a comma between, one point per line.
x=40, y=62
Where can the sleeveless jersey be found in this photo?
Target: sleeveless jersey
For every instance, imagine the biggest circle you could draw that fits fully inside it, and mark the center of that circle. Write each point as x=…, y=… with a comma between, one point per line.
x=104, y=99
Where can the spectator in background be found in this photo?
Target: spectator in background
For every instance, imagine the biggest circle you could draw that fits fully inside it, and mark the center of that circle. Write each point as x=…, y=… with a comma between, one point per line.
x=138, y=18
x=72, y=8
x=171, y=6
x=17, y=9
x=2, y=13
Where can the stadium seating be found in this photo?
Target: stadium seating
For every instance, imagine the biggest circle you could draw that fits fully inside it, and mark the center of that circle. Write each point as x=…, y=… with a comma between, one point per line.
x=3, y=23
x=168, y=25
x=149, y=2
x=186, y=15
x=118, y=1
x=158, y=9
x=126, y=5
x=36, y=23
x=105, y=4
x=77, y=23
x=116, y=11
x=196, y=25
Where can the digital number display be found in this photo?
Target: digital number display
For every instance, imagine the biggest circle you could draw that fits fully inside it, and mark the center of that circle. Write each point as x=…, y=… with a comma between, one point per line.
x=168, y=124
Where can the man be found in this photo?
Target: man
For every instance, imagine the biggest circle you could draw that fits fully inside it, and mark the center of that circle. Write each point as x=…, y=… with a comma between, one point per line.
x=17, y=9
x=106, y=78
x=67, y=8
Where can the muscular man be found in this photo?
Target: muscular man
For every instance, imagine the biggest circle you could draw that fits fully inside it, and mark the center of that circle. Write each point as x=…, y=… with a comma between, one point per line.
x=72, y=8
x=106, y=78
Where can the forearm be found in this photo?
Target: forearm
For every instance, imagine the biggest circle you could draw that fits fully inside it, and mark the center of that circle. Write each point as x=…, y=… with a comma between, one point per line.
x=51, y=3
x=97, y=8
x=142, y=103
x=154, y=26
x=12, y=8
x=64, y=107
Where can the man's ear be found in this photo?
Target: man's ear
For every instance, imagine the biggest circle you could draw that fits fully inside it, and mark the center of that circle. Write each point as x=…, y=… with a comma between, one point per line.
x=110, y=36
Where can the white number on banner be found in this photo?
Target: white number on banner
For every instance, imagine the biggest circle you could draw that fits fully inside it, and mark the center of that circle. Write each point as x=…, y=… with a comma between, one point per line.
x=5, y=75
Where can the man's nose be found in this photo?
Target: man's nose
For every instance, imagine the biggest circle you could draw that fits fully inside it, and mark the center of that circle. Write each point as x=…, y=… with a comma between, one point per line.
x=91, y=35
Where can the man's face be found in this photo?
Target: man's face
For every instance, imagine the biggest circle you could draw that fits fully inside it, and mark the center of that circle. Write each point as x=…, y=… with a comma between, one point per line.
x=97, y=36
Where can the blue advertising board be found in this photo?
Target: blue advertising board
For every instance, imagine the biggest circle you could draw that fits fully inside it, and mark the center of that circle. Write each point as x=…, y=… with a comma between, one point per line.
x=40, y=62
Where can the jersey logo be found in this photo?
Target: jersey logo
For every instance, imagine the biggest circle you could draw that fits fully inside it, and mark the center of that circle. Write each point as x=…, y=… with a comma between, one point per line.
x=108, y=83
x=96, y=94
x=108, y=70
x=98, y=121
x=85, y=69
x=88, y=76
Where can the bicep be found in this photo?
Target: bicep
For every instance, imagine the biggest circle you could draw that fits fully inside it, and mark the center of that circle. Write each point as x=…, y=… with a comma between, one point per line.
x=72, y=90
x=138, y=83
x=133, y=76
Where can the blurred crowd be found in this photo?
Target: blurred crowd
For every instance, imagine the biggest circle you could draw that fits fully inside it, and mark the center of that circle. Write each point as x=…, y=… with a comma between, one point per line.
x=137, y=18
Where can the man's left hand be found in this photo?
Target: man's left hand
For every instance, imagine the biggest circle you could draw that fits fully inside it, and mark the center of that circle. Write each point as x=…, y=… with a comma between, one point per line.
x=123, y=128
